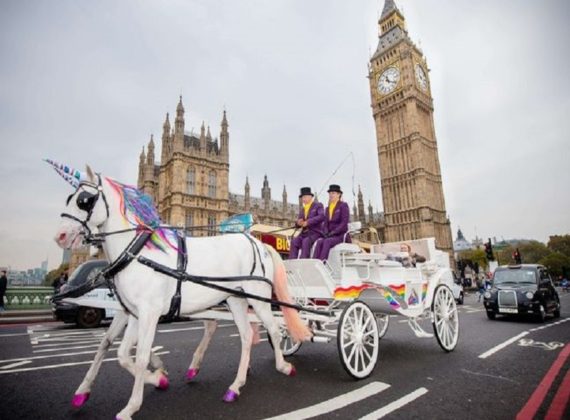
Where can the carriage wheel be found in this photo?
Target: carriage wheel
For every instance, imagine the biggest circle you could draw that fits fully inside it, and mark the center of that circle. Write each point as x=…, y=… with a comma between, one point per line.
x=288, y=346
x=358, y=340
x=444, y=318
x=383, y=320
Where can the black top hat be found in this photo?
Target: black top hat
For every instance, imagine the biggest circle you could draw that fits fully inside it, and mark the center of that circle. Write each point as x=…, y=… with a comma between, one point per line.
x=306, y=191
x=334, y=188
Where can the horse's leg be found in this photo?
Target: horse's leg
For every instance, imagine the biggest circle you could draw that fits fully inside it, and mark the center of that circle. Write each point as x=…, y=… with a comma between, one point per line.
x=84, y=390
x=159, y=377
x=263, y=311
x=147, y=322
x=238, y=307
x=209, y=329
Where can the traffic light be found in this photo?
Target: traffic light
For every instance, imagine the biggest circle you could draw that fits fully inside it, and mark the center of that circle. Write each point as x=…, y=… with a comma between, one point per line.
x=489, y=251
x=517, y=257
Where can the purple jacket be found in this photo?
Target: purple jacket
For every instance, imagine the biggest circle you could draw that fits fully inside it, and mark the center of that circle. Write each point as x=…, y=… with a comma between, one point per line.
x=338, y=224
x=315, y=219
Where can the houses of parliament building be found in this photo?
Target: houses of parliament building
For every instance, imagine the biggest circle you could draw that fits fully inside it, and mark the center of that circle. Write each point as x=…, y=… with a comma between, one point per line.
x=190, y=187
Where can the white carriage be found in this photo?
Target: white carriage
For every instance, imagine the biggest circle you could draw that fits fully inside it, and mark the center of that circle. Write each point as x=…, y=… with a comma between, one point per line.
x=357, y=292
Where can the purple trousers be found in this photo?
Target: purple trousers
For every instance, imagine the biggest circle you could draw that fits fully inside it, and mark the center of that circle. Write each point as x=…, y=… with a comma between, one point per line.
x=303, y=243
x=324, y=245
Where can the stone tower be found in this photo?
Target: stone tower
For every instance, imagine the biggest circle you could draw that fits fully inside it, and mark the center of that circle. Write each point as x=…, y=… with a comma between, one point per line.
x=402, y=107
x=361, y=215
x=191, y=182
x=189, y=185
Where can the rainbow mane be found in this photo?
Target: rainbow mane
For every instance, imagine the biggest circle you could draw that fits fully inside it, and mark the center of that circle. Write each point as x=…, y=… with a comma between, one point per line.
x=137, y=210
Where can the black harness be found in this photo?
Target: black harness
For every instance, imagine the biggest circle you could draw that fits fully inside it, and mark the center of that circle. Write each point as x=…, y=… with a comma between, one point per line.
x=86, y=201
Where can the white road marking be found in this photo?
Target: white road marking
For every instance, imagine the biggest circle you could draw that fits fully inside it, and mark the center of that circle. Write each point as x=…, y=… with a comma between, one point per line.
x=48, y=356
x=502, y=345
x=335, y=403
x=550, y=325
x=69, y=333
x=13, y=365
x=529, y=342
x=393, y=406
x=13, y=335
x=67, y=348
x=65, y=365
x=37, y=346
x=512, y=340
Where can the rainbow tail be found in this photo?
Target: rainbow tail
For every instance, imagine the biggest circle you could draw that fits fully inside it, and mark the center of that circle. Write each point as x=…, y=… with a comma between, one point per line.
x=297, y=329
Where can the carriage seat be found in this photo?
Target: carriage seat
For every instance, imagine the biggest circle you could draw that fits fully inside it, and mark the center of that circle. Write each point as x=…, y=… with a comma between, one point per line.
x=352, y=228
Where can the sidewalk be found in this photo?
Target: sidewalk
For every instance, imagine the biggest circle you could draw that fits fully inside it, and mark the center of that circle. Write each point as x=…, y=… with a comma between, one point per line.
x=21, y=316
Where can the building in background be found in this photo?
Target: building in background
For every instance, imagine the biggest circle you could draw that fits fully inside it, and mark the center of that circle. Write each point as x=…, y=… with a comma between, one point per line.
x=190, y=183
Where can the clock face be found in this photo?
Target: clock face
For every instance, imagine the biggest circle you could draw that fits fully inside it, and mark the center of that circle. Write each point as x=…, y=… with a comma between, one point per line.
x=388, y=80
x=421, y=77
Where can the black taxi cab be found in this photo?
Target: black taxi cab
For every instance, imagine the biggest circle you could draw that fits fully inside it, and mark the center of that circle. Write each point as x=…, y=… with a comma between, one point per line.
x=524, y=289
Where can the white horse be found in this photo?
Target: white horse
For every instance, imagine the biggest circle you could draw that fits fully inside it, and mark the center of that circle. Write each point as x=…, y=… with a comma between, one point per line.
x=107, y=206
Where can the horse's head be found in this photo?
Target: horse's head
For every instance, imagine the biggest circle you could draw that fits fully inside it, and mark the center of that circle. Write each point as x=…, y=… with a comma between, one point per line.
x=85, y=210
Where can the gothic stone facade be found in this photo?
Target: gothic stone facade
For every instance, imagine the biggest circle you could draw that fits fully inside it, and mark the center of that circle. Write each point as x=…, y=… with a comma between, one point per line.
x=402, y=108
x=190, y=184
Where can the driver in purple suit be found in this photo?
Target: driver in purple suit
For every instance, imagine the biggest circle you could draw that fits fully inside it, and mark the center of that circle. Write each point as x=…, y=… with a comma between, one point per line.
x=310, y=220
x=337, y=216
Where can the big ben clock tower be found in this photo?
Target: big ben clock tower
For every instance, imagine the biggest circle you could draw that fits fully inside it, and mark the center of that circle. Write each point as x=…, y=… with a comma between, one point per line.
x=402, y=107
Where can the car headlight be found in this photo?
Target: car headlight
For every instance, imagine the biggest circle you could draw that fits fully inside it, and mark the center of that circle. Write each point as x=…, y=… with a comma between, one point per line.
x=487, y=295
x=529, y=295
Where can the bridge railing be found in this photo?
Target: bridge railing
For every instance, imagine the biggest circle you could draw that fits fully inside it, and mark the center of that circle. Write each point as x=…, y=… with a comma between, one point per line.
x=36, y=297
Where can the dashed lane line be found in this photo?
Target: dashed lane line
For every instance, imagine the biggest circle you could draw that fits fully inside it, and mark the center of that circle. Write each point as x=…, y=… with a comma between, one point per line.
x=393, y=406
x=334, y=403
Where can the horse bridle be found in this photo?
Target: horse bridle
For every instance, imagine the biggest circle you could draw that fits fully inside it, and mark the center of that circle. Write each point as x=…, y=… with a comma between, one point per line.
x=86, y=201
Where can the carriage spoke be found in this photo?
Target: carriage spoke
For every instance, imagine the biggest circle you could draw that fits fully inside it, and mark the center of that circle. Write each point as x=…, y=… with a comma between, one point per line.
x=352, y=352
x=365, y=351
x=350, y=343
x=356, y=358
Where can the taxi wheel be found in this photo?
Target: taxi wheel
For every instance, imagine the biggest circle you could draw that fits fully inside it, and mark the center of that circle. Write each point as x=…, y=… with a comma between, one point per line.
x=491, y=315
x=556, y=312
x=89, y=317
x=541, y=316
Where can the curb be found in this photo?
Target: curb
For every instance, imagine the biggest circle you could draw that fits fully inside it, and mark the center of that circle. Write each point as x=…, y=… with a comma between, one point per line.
x=25, y=316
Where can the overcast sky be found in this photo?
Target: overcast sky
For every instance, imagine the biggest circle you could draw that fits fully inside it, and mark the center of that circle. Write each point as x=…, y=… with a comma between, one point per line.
x=89, y=82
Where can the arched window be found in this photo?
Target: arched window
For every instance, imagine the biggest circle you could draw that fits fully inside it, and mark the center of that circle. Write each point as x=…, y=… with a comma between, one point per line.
x=212, y=183
x=191, y=181
x=211, y=225
x=189, y=222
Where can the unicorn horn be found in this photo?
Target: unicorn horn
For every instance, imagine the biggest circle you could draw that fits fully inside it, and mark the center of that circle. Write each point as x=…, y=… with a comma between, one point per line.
x=71, y=175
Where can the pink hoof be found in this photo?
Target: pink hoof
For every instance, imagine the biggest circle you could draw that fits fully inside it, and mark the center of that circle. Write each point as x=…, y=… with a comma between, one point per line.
x=163, y=383
x=293, y=371
x=230, y=396
x=191, y=374
x=79, y=399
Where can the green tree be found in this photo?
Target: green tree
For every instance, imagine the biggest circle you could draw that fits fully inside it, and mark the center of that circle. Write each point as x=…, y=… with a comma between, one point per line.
x=504, y=254
x=53, y=275
x=475, y=255
x=557, y=263
x=532, y=252
x=560, y=243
